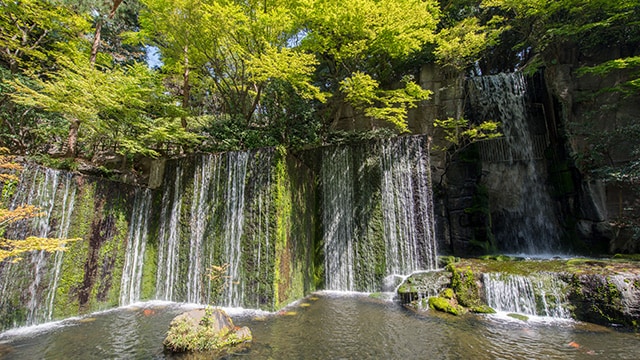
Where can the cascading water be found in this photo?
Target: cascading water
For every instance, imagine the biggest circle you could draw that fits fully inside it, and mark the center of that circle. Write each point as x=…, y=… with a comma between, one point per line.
x=53, y=193
x=234, y=225
x=526, y=221
x=169, y=237
x=224, y=191
x=386, y=183
x=407, y=206
x=541, y=294
x=205, y=185
x=250, y=213
x=338, y=218
x=136, y=245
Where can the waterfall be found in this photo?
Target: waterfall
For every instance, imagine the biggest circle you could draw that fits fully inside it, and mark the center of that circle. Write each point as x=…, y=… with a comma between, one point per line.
x=540, y=294
x=205, y=184
x=234, y=225
x=522, y=210
x=386, y=183
x=136, y=245
x=226, y=204
x=407, y=206
x=338, y=218
x=53, y=193
x=169, y=237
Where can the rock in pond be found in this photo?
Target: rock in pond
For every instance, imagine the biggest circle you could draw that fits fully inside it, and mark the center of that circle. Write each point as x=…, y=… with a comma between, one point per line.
x=206, y=330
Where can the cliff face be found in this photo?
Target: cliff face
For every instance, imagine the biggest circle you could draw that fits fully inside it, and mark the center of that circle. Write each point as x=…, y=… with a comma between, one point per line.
x=234, y=229
x=577, y=125
x=598, y=123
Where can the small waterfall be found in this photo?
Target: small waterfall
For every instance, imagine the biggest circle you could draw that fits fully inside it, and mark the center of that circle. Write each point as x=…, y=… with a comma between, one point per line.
x=386, y=183
x=68, y=202
x=53, y=192
x=169, y=237
x=338, y=218
x=526, y=222
x=407, y=206
x=136, y=245
x=259, y=250
x=205, y=184
x=234, y=225
x=226, y=205
x=540, y=294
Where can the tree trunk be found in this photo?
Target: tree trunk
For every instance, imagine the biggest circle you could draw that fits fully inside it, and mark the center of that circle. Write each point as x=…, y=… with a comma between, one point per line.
x=96, y=42
x=98, y=34
x=72, y=139
x=186, y=93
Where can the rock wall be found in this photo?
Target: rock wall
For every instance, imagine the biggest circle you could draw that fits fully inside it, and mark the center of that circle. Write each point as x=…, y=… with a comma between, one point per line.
x=42, y=287
x=257, y=223
x=586, y=108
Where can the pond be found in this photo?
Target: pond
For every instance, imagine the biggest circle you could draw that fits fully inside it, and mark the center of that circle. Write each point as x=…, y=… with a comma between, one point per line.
x=327, y=325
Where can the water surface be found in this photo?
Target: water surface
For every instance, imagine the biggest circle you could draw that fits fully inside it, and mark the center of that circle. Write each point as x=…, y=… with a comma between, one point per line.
x=327, y=326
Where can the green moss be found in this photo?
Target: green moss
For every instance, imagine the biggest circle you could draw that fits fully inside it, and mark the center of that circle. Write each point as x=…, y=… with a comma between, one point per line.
x=443, y=261
x=482, y=309
x=444, y=305
x=500, y=257
x=518, y=317
x=75, y=257
x=293, y=267
x=632, y=257
x=465, y=287
x=115, y=254
x=447, y=293
x=148, y=286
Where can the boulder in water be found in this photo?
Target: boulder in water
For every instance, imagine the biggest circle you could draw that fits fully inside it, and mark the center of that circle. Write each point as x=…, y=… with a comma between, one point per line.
x=207, y=329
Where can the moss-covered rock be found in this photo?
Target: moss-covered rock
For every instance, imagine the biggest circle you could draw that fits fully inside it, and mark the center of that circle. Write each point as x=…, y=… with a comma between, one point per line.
x=209, y=330
x=465, y=287
x=482, y=309
x=421, y=285
x=443, y=304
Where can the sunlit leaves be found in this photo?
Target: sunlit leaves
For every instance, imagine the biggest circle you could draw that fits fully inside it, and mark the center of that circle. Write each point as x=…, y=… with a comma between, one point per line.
x=15, y=249
x=113, y=105
x=32, y=28
x=629, y=63
x=288, y=65
x=459, y=132
x=462, y=44
x=364, y=93
x=354, y=29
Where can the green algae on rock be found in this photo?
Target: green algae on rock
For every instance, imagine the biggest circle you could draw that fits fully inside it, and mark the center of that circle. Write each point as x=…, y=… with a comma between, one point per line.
x=206, y=330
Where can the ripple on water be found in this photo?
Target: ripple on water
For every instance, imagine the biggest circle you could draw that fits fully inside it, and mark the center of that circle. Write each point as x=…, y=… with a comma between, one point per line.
x=326, y=326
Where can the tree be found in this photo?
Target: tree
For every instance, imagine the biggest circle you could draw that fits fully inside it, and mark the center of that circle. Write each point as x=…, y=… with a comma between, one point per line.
x=14, y=249
x=110, y=18
x=234, y=59
x=547, y=26
x=121, y=108
x=31, y=29
x=359, y=43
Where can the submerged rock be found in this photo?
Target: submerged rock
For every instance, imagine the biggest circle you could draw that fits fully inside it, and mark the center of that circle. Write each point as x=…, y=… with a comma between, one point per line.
x=206, y=330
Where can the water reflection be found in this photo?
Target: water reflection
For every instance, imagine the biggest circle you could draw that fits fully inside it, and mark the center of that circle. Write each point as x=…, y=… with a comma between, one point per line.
x=328, y=326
